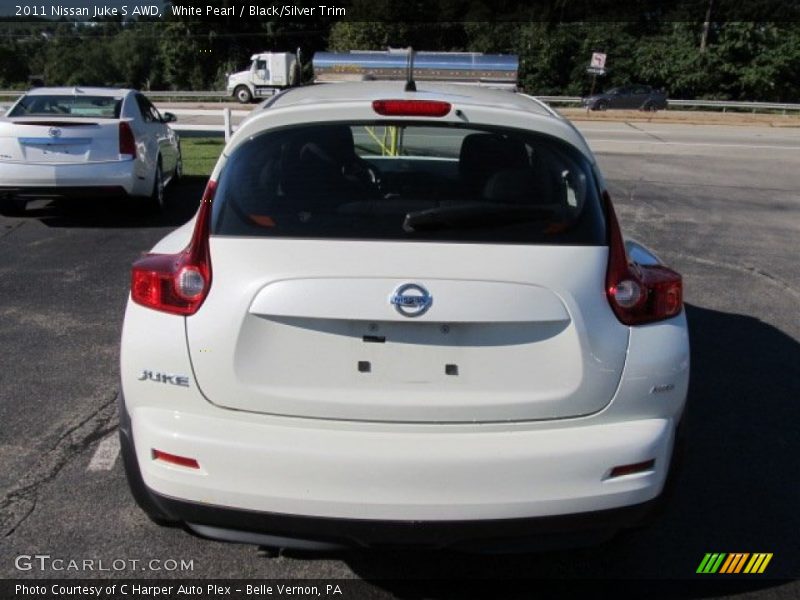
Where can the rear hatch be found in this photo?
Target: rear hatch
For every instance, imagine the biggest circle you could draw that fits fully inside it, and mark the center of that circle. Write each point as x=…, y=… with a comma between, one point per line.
x=425, y=289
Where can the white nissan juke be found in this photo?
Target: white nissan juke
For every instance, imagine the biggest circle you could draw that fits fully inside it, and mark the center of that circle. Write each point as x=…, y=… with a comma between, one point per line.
x=402, y=317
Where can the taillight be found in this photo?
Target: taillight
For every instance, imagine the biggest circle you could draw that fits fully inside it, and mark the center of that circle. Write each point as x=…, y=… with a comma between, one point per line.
x=177, y=283
x=127, y=142
x=411, y=108
x=638, y=293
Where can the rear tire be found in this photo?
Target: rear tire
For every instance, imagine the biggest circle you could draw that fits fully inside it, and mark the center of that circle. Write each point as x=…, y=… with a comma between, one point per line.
x=155, y=202
x=243, y=94
x=178, y=174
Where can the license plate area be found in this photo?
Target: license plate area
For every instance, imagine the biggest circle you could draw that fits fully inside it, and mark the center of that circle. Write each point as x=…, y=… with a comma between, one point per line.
x=379, y=353
x=35, y=148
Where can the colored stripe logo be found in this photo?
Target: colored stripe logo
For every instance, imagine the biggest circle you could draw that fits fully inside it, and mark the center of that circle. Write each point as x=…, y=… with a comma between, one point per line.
x=733, y=563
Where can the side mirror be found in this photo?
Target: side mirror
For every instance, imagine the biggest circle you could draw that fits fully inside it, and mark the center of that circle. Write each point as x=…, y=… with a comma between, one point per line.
x=168, y=117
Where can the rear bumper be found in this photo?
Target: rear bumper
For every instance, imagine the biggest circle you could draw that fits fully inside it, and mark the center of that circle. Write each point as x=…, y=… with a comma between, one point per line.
x=98, y=191
x=273, y=529
x=272, y=474
x=251, y=464
x=70, y=179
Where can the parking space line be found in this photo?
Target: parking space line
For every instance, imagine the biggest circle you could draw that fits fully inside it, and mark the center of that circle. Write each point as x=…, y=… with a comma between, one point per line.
x=105, y=455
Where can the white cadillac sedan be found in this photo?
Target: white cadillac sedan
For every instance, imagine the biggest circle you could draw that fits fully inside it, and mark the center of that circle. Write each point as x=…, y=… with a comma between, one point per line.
x=82, y=142
x=402, y=317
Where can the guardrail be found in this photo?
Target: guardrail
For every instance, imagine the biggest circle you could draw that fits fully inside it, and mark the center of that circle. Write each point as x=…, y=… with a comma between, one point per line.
x=209, y=94
x=724, y=105
x=227, y=127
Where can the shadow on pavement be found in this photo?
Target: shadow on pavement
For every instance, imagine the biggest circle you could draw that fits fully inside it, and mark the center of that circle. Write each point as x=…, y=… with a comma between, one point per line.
x=739, y=491
x=182, y=200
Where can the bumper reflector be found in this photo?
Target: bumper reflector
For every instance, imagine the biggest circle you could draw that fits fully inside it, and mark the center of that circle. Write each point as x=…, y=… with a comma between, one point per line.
x=631, y=469
x=174, y=459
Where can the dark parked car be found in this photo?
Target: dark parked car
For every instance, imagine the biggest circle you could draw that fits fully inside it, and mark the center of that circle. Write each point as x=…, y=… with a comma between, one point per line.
x=642, y=97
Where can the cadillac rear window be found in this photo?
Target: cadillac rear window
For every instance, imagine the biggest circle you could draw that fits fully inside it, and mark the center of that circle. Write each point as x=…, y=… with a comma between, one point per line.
x=103, y=107
x=403, y=181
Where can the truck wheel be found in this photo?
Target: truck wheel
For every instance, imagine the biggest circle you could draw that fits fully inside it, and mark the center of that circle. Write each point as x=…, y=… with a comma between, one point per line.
x=243, y=94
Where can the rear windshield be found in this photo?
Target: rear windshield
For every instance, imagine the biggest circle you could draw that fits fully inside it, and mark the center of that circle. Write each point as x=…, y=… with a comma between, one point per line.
x=103, y=107
x=409, y=182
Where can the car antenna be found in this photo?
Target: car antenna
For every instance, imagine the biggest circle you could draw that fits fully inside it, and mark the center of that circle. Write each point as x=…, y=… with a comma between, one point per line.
x=410, y=85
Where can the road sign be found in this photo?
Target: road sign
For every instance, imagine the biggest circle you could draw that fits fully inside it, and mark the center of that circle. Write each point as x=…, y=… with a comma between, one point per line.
x=598, y=60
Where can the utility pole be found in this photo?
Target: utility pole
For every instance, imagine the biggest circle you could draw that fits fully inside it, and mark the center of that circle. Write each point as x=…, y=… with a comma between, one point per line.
x=706, y=25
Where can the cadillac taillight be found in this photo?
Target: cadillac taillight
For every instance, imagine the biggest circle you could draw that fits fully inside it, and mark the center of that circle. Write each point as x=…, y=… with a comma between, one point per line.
x=127, y=141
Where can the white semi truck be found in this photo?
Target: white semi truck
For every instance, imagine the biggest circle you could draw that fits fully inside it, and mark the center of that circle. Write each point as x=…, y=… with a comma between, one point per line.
x=270, y=72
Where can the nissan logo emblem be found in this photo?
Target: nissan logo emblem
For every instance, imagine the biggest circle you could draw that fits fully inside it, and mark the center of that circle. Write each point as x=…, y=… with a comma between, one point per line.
x=411, y=300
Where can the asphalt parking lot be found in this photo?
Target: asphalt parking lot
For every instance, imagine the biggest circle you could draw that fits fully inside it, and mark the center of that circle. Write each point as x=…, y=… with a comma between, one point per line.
x=724, y=213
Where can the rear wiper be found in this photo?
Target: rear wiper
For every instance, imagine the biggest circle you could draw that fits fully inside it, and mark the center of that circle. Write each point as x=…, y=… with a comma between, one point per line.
x=473, y=215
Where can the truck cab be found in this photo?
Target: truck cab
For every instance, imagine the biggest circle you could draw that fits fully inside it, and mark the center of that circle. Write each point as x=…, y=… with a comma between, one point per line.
x=267, y=74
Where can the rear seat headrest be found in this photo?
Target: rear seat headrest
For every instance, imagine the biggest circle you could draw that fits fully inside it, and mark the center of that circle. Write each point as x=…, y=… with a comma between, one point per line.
x=514, y=186
x=333, y=143
x=483, y=154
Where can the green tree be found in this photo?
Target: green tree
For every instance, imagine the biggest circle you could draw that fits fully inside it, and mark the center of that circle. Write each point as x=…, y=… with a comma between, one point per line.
x=13, y=66
x=756, y=61
x=133, y=56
